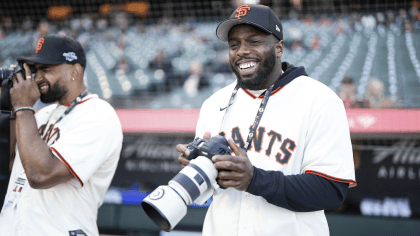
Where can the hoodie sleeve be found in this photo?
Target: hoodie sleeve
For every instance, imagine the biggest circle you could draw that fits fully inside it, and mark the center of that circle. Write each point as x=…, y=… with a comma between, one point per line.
x=300, y=193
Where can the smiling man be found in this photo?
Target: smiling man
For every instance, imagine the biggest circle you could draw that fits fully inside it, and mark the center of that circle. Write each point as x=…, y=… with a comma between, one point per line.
x=66, y=153
x=292, y=155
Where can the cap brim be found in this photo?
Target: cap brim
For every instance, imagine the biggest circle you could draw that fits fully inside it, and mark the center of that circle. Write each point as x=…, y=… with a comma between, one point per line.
x=34, y=59
x=223, y=28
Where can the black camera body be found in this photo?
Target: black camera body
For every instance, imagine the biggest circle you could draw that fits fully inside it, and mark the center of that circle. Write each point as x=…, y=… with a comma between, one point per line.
x=6, y=76
x=216, y=145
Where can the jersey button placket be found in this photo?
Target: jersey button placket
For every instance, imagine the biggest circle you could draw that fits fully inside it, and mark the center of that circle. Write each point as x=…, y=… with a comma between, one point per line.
x=245, y=221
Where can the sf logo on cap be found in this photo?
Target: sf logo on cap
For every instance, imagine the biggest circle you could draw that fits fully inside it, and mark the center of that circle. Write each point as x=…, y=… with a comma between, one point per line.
x=40, y=43
x=242, y=11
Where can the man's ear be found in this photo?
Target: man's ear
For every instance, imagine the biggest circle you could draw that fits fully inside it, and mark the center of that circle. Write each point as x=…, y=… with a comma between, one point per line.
x=76, y=71
x=279, y=48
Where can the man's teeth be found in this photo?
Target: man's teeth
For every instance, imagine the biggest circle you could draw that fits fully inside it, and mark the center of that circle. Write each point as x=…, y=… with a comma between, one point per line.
x=43, y=86
x=247, y=65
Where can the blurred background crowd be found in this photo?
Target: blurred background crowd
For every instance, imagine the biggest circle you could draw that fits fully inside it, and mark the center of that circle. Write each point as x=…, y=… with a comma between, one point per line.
x=165, y=54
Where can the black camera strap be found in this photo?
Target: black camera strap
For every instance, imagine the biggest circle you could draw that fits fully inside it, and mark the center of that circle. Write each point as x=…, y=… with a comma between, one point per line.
x=5, y=95
x=260, y=112
x=70, y=108
x=5, y=114
x=284, y=79
x=4, y=153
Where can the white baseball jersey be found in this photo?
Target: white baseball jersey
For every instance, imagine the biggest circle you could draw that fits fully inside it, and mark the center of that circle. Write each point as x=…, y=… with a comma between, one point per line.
x=88, y=141
x=304, y=129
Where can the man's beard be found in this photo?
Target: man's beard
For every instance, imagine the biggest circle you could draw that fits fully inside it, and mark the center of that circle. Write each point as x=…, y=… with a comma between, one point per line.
x=54, y=93
x=262, y=74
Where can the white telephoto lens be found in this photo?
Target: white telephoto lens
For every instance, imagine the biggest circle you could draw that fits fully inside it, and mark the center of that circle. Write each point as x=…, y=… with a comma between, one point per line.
x=165, y=207
x=206, y=165
x=196, y=177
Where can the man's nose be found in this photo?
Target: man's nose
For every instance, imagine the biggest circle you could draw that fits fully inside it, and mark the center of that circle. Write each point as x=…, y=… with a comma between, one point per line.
x=38, y=76
x=243, y=50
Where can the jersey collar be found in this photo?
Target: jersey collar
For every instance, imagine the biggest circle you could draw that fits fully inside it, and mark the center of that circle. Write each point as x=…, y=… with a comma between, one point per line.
x=87, y=97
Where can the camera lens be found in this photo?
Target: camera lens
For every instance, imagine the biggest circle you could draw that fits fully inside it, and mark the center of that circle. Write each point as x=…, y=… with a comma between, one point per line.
x=5, y=72
x=167, y=204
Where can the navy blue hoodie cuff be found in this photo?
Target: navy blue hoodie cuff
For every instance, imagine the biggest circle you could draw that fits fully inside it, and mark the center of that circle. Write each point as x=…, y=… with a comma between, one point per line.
x=300, y=193
x=268, y=184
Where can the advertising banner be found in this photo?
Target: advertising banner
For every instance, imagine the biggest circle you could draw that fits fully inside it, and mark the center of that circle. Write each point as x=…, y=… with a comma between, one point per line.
x=148, y=161
x=388, y=178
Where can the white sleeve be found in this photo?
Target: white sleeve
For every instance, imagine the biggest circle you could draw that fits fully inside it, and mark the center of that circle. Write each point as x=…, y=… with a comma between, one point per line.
x=328, y=151
x=89, y=142
x=211, y=118
x=201, y=123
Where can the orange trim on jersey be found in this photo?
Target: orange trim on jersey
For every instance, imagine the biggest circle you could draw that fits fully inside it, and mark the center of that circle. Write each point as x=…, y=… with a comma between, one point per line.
x=288, y=148
x=250, y=94
x=83, y=101
x=67, y=165
x=262, y=96
x=347, y=181
x=253, y=139
x=277, y=90
x=270, y=146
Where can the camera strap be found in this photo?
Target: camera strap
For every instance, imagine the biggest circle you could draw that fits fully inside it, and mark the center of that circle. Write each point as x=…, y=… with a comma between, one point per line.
x=281, y=82
x=260, y=112
x=5, y=95
x=72, y=105
x=4, y=152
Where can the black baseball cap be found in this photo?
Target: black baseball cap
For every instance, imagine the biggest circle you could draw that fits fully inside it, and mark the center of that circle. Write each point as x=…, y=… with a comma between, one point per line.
x=56, y=49
x=258, y=15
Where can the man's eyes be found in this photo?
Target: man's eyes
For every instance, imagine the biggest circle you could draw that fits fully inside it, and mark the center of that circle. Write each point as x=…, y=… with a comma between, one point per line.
x=44, y=69
x=252, y=42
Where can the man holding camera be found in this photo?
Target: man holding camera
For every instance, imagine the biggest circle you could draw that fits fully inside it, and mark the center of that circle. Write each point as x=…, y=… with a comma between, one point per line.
x=67, y=153
x=292, y=155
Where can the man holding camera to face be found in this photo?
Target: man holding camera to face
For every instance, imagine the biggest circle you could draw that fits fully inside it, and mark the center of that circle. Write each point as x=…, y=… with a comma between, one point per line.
x=289, y=136
x=66, y=153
